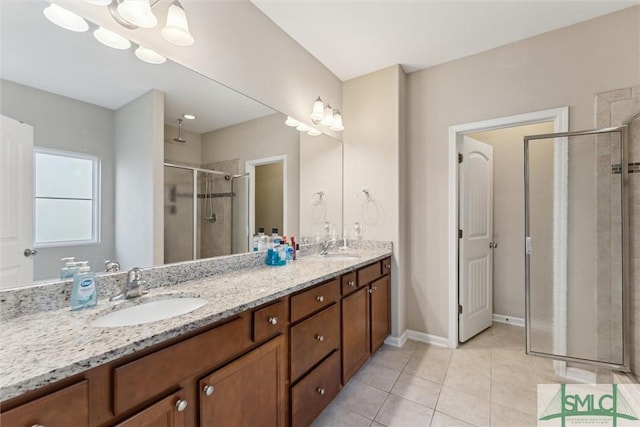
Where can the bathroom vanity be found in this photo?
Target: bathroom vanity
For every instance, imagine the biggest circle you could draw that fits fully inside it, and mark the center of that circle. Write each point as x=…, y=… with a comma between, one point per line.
x=273, y=346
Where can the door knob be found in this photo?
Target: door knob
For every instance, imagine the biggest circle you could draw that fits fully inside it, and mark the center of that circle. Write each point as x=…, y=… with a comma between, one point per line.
x=493, y=245
x=30, y=252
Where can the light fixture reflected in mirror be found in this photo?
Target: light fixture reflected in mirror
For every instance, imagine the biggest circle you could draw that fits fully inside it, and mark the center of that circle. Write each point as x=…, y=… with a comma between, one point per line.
x=137, y=12
x=291, y=122
x=111, y=39
x=65, y=18
x=150, y=56
x=177, y=29
x=314, y=132
x=99, y=2
x=188, y=116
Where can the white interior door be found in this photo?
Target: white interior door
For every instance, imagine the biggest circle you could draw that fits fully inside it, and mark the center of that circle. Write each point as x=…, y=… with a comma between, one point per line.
x=475, y=275
x=16, y=202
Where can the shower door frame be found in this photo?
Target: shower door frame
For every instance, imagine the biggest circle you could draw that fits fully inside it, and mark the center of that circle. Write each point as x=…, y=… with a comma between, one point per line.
x=195, y=170
x=623, y=130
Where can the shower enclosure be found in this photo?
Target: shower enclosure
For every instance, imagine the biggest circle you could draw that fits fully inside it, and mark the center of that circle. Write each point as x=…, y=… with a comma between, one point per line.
x=206, y=213
x=576, y=231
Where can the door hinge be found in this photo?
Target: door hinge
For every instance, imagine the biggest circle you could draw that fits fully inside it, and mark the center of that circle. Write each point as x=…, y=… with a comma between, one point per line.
x=460, y=157
x=459, y=309
x=459, y=234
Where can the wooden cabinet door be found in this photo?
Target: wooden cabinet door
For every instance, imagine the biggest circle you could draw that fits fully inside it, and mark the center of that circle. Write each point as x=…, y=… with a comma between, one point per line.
x=380, y=311
x=66, y=407
x=247, y=392
x=168, y=412
x=355, y=332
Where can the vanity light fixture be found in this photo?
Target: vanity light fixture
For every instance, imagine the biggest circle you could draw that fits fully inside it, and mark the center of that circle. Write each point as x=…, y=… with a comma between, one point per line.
x=177, y=29
x=150, y=56
x=303, y=127
x=137, y=12
x=314, y=132
x=291, y=122
x=189, y=116
x=99, y=2
x=326, y=115
x=111, y=39
x=65, y=18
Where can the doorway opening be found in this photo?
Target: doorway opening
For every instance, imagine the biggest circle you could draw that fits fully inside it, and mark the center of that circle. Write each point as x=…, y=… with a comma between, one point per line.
x=267, y=194
x=557, y=121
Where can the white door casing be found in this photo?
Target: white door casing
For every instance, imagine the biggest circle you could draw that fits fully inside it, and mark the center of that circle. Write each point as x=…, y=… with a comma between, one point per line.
x=16, y=202
x=475, y=276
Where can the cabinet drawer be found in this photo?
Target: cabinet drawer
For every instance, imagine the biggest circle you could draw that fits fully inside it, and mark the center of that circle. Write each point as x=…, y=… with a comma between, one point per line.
x=349, y=283
x=313, y=339
x=66, y=407
x=369, y=273
x=268, y=321
x=167, y=412
x=315, y=391
x=312, y=300
x=153, y=375
x=386, y=266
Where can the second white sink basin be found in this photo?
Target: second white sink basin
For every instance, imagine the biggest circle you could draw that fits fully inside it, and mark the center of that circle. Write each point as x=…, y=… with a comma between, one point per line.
x=149, y=312
x=340, y=257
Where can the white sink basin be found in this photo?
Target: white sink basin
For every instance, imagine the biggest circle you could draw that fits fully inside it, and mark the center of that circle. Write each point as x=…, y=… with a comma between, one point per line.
x=149, y=312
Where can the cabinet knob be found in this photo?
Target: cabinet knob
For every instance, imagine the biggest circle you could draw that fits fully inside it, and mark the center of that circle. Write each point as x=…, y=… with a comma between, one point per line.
x=373, y=288
x=273, y=320
x=181, y=405
x=387, y=266
x=208, y=390
x=320, y=391
x=320, y=298
x=320, y=338
x=351, y=282
x=37, y=425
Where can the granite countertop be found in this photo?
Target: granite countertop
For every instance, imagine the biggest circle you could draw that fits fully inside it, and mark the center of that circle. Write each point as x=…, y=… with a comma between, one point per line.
x=39, y=349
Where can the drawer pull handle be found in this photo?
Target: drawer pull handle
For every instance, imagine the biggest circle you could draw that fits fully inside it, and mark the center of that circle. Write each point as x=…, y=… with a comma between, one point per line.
x=320, y=391
x=181, y=405
x=351, y=282
x=320, y=298
x=387, y=266
x=37, y=425
x=208, y=390
x=273, y=320
x=320, y=338
x=373, y=288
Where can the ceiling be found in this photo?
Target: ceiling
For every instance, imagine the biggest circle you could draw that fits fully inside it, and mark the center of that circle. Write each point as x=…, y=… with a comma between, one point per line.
x=34, y=52
x=356, y=37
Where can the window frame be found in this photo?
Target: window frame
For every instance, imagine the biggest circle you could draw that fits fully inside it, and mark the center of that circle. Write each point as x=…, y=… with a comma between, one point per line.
x=95, y=205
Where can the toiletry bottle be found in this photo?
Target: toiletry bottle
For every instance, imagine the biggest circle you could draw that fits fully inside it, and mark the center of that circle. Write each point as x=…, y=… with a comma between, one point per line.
x=262, y=239
x=69, y=269
x=84, y=293
x=294, y=247
x=255, y=244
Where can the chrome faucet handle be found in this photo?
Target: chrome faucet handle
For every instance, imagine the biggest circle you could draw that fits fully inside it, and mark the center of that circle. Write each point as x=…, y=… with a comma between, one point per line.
x=133, y=286
x=111, y=266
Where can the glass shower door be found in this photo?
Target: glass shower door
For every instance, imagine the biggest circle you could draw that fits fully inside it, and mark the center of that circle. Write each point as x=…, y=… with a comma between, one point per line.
x=178, y=214
x=575, y=245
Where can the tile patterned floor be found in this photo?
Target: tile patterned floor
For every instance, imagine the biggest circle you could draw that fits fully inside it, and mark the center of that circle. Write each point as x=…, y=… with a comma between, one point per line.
x=488, y=381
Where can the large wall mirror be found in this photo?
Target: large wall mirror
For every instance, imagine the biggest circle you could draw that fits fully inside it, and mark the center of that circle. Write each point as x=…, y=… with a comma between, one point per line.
x=111, y=143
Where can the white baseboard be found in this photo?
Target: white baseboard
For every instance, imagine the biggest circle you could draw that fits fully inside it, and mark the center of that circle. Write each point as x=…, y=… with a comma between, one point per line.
x=416, y=336
x=510, y=320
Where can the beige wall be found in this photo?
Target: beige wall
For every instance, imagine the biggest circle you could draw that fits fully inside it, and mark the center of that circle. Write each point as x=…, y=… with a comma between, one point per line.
x=562, y=67
x=372, y=161
x=269, y=197
x=508, y=214
x=240, y=47
x=257, y=139
x=139, y=182
x=320, y=167
x=187, y=153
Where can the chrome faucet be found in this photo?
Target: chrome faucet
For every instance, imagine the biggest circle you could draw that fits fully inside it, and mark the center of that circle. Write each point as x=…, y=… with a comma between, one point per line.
x=327, y=245
x=133, y=287
x=111, y=266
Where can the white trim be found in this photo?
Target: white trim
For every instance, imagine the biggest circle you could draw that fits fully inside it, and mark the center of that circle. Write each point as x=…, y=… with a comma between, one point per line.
x=509, y=320
x=397, y=341
x=426, y=338
x=250, y=168
x=560, y=118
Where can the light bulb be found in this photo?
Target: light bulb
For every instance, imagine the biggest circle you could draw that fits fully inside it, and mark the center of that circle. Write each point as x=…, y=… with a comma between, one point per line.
x=291, y=122
x=150, y=56
x=303, y=127
x=317, y=113
x=328, y=116
x=111, y=39
x=138, y=12
x=189, y=116
x=314, y=132
x=99, y=2
x=336, y=124
x=177, y=30
x=65, y=18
